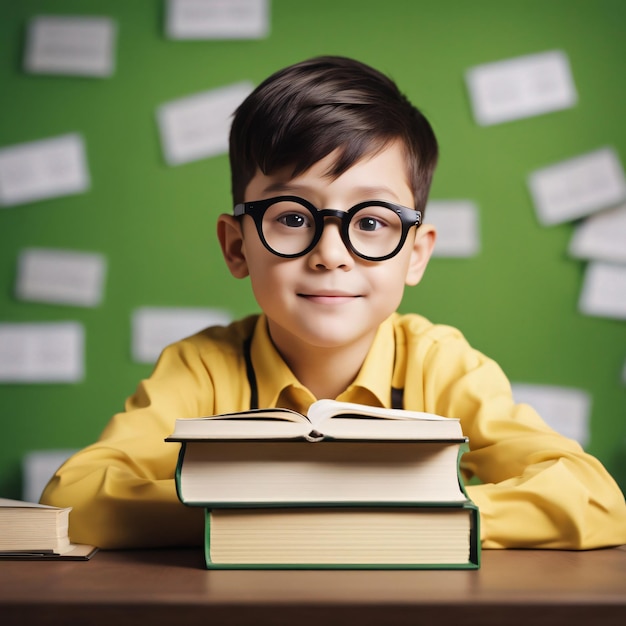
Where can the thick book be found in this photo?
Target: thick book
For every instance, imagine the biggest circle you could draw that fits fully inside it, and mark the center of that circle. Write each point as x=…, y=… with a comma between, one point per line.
x=36, y=531
x=371, y=461
x=408, y=537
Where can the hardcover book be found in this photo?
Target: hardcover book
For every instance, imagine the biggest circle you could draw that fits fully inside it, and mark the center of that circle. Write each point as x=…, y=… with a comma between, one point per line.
x=35, y=531
x=411, y=537
x=271, y=473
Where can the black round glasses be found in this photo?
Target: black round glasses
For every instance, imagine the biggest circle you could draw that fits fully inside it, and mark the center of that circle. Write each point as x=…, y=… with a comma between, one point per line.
x=290, y=226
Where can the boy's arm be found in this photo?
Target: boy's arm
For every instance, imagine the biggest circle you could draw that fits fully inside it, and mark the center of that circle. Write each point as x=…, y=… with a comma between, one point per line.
x=539, y=489
x=122, y=487
x=115, y=506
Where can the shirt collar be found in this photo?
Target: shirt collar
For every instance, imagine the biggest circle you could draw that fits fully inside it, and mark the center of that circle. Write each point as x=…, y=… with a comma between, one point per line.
x=274, y=376
x=272, y=373
x=376, y=372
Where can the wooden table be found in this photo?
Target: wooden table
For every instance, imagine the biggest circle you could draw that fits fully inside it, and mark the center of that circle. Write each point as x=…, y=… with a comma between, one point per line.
x=153, y=587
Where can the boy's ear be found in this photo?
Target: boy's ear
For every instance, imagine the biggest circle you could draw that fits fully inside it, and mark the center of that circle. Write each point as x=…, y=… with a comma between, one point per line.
x=230, y=237
x=423, y=246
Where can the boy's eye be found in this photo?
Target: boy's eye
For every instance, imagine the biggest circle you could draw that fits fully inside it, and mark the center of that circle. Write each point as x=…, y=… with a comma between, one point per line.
x=294, y=220
x=369, y=224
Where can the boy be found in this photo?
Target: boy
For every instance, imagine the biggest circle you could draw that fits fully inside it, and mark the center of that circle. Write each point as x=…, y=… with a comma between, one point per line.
x=331, y=167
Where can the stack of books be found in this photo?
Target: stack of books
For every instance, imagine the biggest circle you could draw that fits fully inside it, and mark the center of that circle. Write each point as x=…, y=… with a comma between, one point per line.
x=346, y=486
x=35, y=531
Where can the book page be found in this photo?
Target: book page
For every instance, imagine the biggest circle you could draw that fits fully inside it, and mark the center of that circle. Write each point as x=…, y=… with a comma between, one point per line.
x=262, y=414
x=75, y=552
x=261, y=424
x=6, y=503
x=332, y=409
x=346, y=420
x=326, y=418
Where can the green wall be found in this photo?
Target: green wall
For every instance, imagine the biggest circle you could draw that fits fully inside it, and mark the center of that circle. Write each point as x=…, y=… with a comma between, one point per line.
x=516, y=301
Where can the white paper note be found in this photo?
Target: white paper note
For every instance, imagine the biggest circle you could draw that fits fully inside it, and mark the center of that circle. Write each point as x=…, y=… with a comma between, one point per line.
x=601, y=237
x=60, y=276
x=154, y=328
x=198, y=126
x=38, y=468
x=578, y=187
x=521, y=87
x=72, y=45
x=43, y=169
x=457, y=224
x=42, y=352
x=564, y=409
x=603, y=293
x=217, y=19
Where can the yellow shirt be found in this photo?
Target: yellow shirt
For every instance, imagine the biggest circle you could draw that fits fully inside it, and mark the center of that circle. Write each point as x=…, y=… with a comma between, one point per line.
x=539, y=489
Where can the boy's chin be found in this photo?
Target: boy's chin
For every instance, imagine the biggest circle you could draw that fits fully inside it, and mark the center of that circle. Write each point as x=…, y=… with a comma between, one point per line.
x=330, y=337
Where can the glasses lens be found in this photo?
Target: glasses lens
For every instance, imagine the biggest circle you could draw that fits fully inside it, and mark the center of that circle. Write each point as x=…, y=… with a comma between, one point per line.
x=375, y=231
x=288, y=227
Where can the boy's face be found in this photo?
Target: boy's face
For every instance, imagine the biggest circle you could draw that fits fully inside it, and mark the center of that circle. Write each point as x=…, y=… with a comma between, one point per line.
x=328, y=298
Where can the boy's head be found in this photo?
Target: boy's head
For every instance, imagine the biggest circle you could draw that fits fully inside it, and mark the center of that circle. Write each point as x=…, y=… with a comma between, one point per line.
x=331, y=169
x=305, y=112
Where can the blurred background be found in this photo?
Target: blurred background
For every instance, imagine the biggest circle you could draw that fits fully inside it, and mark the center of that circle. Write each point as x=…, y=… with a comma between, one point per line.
x=516, y=299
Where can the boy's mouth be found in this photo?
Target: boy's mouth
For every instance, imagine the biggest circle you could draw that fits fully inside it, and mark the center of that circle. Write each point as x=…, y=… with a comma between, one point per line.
x=329, y=297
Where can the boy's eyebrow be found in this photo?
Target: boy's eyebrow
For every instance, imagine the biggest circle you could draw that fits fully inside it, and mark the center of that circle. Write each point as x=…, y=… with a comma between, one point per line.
x=368, y=192
x=281, y=186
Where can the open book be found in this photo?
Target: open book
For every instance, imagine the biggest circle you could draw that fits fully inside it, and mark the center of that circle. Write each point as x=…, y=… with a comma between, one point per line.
x=326, y=419
x=366, y=454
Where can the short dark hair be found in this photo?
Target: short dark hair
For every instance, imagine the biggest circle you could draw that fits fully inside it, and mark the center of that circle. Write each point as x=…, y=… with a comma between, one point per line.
x=302, y=113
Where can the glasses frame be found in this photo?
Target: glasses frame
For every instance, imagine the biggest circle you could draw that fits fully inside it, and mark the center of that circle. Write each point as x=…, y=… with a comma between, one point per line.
x=256, y=210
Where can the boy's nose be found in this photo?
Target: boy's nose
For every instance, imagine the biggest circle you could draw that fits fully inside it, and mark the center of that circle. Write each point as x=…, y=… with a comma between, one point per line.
x=331, y=252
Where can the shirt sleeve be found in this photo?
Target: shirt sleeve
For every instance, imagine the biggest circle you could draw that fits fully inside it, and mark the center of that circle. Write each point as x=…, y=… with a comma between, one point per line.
x=535, y=488
x=121, y=488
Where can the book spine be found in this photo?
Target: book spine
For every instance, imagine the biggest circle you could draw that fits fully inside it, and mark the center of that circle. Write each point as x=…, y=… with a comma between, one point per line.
x=179, y=469
x=475, y=543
